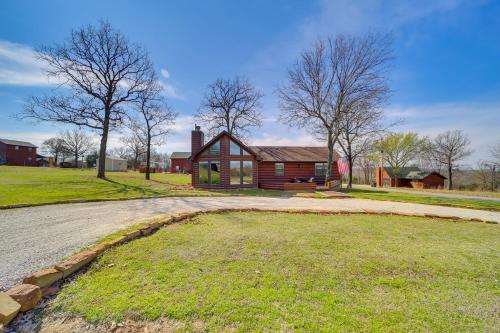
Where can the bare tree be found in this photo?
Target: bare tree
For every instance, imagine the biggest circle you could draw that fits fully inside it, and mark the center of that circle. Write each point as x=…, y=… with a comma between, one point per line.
x=54, y=146
x=157, y=119
x=368, y=161
x=135, y=147
x=103, y=71
x=495, y=153
x=77, y=143
x=358, y=129
x=231, y=105
x=426, y=159
x=449, y=148
x=399, y=149
x=332, y=79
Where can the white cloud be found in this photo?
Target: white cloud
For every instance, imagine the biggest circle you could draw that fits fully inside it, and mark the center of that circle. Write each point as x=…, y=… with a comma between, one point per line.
x=165, y=73
x=19, y=66
x=170, y=91
x=295, y=138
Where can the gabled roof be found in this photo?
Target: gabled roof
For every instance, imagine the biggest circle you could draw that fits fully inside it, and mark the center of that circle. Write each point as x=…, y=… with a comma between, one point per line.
x=17, y=143
x=293, y=154
x=180, y=155
x=411, y=173
x=217, y=137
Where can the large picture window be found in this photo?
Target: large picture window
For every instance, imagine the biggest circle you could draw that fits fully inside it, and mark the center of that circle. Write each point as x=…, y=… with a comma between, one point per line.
x=247, y=174
x=214, y=172
x=279, y=169
x=241, y=172
x=203, y=172
x=214, y=149
x=320, y=169
x=209, y=172
x=235, y=173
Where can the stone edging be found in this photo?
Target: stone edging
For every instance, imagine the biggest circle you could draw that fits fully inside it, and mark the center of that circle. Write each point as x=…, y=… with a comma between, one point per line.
x=26, y=296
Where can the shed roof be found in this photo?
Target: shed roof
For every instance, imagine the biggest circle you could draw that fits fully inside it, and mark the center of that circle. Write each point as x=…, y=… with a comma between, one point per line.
x=411, y=173
x=180, y=155
x=293, y=154
x=17, y=143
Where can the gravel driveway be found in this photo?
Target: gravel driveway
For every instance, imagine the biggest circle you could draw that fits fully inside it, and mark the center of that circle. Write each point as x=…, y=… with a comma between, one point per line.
x=38, y=237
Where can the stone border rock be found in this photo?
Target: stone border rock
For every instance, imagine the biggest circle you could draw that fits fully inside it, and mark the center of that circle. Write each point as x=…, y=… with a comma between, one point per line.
x=26, y=296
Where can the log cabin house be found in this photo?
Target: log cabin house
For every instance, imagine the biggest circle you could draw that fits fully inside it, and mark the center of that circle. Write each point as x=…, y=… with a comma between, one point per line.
x=409, y=177
x=227, y=163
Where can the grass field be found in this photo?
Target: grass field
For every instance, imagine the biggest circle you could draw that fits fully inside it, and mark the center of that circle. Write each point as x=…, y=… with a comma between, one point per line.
x=290, y=272
x=423, y=199
x=25, y=185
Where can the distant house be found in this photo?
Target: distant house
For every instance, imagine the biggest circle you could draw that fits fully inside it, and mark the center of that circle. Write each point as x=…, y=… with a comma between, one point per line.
x=20, y=153
x=114, y=163
x=227, y=163
x=180, y=162
x=409, y=177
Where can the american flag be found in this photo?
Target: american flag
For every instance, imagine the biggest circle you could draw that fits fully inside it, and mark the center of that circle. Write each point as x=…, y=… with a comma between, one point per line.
x=343, y=165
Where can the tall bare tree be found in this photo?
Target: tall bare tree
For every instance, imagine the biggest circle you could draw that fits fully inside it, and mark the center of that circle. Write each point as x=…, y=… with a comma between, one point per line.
x=231, y=105
x=77, y=143
x=156, y=122
x=333, y=78
x=135, y=147
x=103, y=72
x=399, y=149
x=450, y=147
x=358, y=129
x=55, y=147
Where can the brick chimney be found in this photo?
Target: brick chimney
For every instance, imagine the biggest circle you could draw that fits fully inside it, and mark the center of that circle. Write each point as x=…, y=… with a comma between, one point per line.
x=197, y=139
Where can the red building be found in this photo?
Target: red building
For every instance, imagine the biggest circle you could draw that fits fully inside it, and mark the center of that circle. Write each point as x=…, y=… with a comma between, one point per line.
x=227, y=163
x=14, y=152
x=409, y=177
x=180, y=162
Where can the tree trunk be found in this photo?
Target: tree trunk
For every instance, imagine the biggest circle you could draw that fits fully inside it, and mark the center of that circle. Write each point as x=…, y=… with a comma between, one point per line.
x=76, y=158
x=450, y=181
x=101, y=170
x=148, y=156
x=395, y=181
x=349, y=159
x=328, y=176
x=55, y=159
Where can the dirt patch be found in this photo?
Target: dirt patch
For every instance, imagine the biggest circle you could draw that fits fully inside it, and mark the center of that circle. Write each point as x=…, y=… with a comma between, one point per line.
x=71, y=325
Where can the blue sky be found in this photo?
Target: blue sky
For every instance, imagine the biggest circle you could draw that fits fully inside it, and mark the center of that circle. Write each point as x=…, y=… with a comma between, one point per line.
x=446, y=74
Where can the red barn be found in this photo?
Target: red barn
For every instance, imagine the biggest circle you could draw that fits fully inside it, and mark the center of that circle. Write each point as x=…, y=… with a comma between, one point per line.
x=227, y=163
x=14, y=152
x=180, y=162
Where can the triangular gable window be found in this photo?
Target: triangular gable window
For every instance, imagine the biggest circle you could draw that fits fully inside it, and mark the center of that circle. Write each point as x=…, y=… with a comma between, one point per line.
x=236, y=150
x=214, y=149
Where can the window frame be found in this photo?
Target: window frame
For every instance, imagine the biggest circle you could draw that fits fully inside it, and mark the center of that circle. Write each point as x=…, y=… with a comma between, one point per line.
x=242, y=151
x=242, y=174
x=324, y=168
x=282, y=172
x=208, y=173
x=231, y=162
x=209, y=170
x=209, y=152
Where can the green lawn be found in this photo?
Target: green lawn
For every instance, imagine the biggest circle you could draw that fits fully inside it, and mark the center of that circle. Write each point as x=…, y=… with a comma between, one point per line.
x=27, y=185
x=291, y=272
x=423, y=199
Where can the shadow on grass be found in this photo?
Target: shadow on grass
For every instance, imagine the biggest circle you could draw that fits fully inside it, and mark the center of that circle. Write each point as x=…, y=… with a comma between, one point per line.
x=126, y=187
